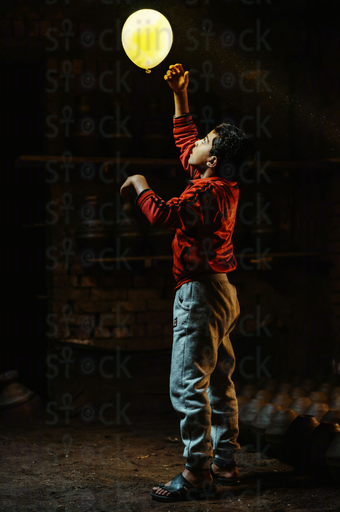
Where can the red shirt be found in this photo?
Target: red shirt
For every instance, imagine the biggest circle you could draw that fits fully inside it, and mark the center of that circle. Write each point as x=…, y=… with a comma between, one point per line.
x=203, y=217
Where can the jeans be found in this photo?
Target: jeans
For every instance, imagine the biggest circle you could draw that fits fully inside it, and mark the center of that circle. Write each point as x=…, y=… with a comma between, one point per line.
x=202, y=393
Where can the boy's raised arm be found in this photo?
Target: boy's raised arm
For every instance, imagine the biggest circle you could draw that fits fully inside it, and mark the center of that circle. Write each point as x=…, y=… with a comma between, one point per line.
x=185, y=131
x=178, y=80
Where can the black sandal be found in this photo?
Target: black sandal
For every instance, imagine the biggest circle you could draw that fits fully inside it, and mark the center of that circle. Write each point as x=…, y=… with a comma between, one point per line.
x=178, y=492
x=223, y=481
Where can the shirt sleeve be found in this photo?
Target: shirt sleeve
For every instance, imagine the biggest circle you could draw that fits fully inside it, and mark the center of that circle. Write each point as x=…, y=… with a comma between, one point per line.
x=193, y=208
x=185, y=135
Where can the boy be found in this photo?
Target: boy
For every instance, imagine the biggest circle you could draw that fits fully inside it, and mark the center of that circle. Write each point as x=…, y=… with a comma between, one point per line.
x=206, y=306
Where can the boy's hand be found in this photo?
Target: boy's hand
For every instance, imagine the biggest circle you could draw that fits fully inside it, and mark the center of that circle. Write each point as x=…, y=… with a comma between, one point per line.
x=177, y=78
x=135, y=183
x=128, y=187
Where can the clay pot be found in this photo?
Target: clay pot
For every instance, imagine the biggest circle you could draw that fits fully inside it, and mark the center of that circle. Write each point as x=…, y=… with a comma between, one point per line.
x=326, y=387
x=282, y=399
x=319, y=397
x=246, y=416
x=248, y=390
x=18, y=404
x=335, y=403
x=298, y=392
x=241, y=400
x=284, y=387
x=335, y=392
x=333, y=415
x=332, y=457
x=264, y=394
x=301, y=404
x=271, y=385
x=295, y=442
x=277, y=428
x=309, y=385
x=317, y=446
x=316, y=409
x=259, y=426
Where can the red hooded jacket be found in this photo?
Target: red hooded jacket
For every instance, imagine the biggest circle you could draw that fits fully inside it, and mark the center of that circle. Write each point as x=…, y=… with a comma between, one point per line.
x=203, y=217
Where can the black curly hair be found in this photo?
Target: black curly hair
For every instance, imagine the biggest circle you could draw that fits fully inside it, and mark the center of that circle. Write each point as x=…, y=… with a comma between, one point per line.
x=234, y=150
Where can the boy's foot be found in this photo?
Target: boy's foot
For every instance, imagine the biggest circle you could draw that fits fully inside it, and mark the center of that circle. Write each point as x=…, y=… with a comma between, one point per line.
x=227, y=475
x=231, y=472
x=196, y=478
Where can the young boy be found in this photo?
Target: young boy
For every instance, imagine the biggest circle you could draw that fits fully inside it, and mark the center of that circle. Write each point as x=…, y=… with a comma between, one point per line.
x=206, y=306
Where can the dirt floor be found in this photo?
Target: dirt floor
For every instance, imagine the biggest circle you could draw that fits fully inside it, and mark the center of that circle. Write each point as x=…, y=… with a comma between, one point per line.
x=103, y=469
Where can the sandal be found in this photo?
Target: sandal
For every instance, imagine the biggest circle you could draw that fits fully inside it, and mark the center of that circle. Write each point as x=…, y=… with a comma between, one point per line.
x=182, y=490
x=223, y=481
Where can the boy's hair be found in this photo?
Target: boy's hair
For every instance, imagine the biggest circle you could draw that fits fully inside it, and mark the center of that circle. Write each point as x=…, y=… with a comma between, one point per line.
x=234, y=150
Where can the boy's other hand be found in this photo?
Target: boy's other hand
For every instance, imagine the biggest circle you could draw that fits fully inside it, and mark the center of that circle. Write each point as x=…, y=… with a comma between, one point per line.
x=177, y=78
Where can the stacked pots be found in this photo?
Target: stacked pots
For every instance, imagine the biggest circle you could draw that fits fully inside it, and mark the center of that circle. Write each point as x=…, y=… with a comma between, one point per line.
x=317, y=445
x=301, y=404
x=282, y=399
x=246, y=416
x=259, y=426
x=248, y=390
x=295, y=442
x=276, y=431
x=317, y=409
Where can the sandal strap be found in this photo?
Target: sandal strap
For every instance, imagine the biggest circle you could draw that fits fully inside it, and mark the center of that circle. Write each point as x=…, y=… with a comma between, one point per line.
x=177, y=484
x=231, y=463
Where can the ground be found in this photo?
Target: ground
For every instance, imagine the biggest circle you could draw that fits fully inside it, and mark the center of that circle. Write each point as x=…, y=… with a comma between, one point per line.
x=113, y=468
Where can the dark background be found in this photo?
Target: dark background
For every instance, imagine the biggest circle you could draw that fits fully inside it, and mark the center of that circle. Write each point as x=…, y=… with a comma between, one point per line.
x=302, y=105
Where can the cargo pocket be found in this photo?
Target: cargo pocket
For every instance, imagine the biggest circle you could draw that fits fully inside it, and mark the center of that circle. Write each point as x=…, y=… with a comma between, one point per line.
x=184, y=296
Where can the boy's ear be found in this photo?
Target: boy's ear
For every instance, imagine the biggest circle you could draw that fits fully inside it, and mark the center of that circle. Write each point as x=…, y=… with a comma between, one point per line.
x=212, y=162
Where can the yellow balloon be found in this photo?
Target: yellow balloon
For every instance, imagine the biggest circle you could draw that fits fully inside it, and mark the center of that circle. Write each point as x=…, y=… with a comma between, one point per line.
x=147, y=38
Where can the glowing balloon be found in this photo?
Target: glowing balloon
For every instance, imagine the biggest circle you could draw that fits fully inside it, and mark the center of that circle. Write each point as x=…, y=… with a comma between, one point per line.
x=147, y=38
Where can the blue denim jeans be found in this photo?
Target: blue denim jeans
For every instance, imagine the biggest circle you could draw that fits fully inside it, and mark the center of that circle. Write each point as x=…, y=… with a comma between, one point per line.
x=205, y=311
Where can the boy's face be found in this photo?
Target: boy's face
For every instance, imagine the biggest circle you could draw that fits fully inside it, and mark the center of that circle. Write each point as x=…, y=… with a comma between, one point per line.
x=199, y=156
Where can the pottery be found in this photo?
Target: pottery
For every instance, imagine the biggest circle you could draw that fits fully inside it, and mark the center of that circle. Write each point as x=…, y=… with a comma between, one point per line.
x=284, y=387
x=246, y=416
x=333, y=415
x=316, y=409
x=248, y=390
x=282, y=399
x=241, y=400
x=295, y=442
x=259, y=427
x=18, y=404
x=326, y=387
x=271, y=385
x=276, y=430
x=319, y=397
x=309, y=385
x=332, y=457
x=301, y=404
x=335, y=392
x=264, y=394
x=317, y=445
x=335, y=403
x=298, y=392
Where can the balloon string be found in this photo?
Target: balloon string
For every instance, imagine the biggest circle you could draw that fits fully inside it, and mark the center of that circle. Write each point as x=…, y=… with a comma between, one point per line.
x=148, y=71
